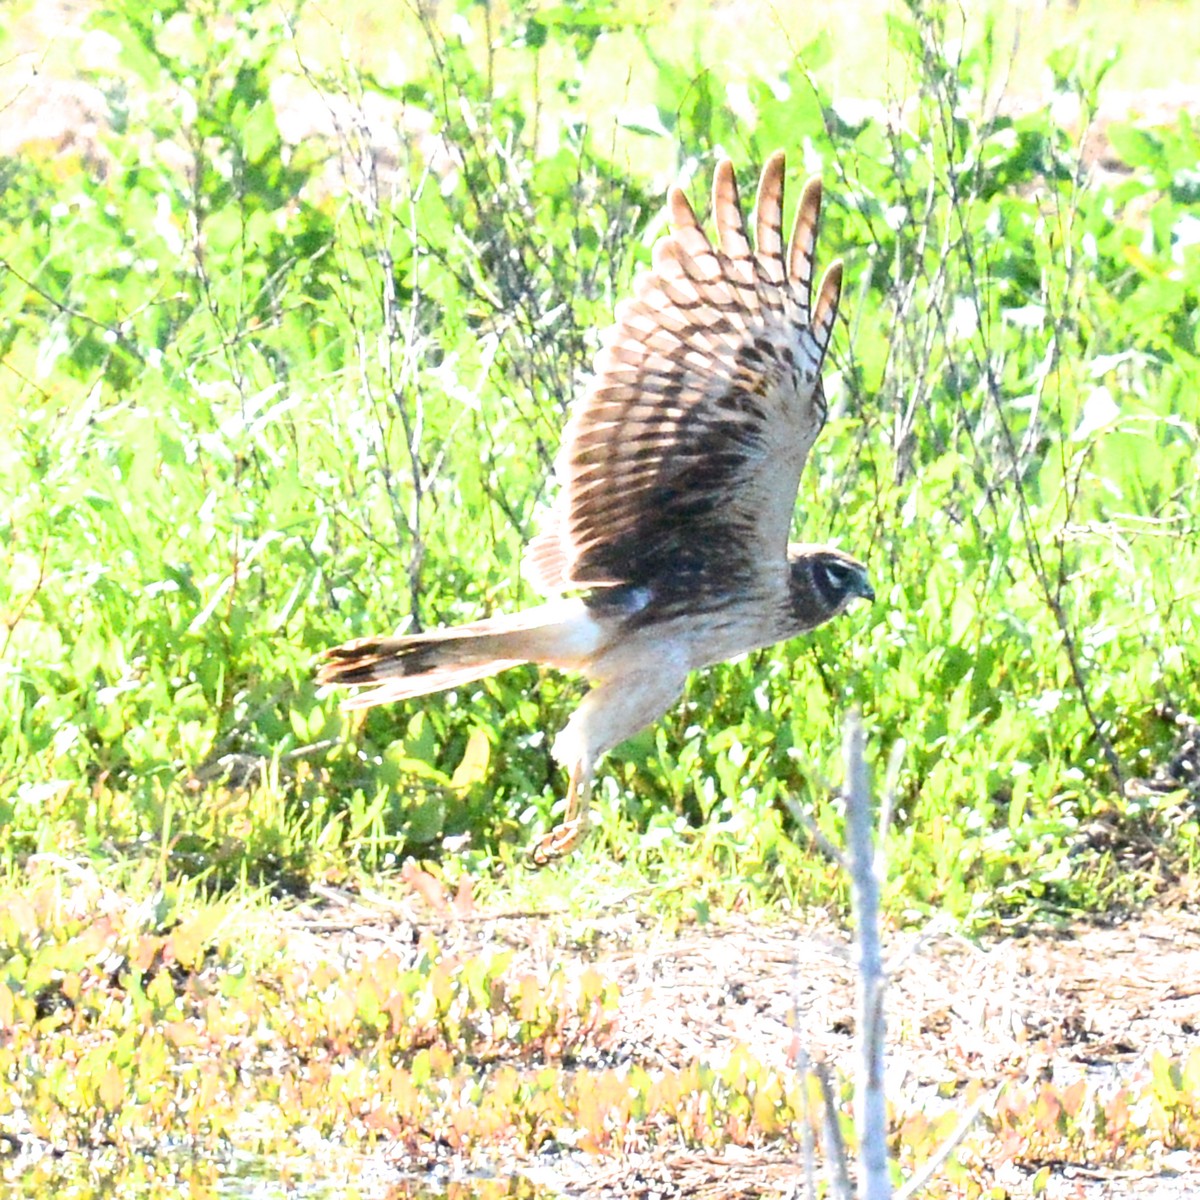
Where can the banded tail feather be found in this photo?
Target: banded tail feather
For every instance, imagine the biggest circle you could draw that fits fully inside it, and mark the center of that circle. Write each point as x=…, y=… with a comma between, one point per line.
x=559, y=634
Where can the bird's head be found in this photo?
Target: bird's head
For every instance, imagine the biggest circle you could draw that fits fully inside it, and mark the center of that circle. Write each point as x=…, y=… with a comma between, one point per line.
x=825, y=581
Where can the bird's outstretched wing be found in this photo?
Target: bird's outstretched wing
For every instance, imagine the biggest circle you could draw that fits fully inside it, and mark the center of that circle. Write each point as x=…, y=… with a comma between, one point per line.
x=684, y=455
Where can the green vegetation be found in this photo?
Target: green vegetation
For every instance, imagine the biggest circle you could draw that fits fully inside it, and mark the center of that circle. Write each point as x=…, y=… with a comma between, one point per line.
x=285, y=350
x=265, y=395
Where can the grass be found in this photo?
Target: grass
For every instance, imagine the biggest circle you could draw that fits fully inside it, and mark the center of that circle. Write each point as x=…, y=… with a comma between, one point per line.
x=267, y=394
x=258, y=410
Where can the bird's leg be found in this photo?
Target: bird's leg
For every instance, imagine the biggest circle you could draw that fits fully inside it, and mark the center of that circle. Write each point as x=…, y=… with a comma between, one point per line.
x=566, y=835
x=612, y=711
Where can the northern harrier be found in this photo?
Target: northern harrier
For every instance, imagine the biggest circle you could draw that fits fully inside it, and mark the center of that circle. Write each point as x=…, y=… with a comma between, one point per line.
x=678, y=471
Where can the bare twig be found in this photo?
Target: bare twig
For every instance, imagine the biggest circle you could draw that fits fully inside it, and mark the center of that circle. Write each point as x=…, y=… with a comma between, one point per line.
x=10, y=621
x=887, y=806
x=823, y=844
x=804, y=1066
x=870, y=1104
x=836, y=1157
x=960, y=1131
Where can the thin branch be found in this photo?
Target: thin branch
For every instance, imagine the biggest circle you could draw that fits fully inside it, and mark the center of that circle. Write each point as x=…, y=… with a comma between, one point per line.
x=960, y=1131
x=836, y=1158
x=823, y=844
x=870, y=1102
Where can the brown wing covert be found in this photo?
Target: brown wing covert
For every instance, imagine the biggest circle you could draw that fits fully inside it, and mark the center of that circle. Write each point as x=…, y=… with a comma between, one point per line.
x=684, y=455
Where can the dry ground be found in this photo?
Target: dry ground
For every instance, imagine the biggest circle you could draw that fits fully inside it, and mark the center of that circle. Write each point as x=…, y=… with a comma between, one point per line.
x=1089, y=1000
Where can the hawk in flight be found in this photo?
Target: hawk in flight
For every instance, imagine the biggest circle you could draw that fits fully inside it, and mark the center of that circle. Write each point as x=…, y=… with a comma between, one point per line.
x=667, y=548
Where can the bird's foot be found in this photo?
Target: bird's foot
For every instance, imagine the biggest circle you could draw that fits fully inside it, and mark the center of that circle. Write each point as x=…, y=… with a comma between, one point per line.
x=560, y=841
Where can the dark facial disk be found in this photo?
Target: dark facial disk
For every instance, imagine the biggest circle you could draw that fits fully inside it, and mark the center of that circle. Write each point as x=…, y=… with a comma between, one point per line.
x=839, y=580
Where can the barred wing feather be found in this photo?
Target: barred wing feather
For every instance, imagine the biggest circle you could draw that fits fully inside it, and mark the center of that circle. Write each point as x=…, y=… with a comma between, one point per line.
x=684, y=455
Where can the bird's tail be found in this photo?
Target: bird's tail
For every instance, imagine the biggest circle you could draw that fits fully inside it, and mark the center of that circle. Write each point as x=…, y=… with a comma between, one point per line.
x=561, y=634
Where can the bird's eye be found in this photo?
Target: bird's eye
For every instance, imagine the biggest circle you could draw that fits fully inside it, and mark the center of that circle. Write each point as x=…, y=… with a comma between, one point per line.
x=838, y=574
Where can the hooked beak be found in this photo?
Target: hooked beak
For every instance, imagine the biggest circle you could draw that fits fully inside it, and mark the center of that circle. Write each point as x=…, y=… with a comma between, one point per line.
x=865, y=590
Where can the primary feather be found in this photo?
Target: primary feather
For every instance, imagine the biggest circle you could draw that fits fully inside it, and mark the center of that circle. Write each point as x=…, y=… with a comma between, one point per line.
x=687, y=447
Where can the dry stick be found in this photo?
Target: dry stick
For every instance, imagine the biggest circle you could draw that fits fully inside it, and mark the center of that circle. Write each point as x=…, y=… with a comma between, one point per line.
x=836, y=1156
x=960, y=1131
x=822, y=843
x=887, y=806
x=805, y=1068
x=870, y=1104
x=10, y=623
x=867, y=870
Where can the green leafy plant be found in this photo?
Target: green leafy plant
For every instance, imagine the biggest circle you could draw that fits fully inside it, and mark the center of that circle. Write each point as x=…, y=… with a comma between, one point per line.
x=291, y=363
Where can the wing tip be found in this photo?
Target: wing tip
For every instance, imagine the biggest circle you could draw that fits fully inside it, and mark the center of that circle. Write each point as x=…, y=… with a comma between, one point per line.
x=802, y=245
x=679, y=209
x=832, y=279
x=825, y=312
x=768, y=218
x=727, y=213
